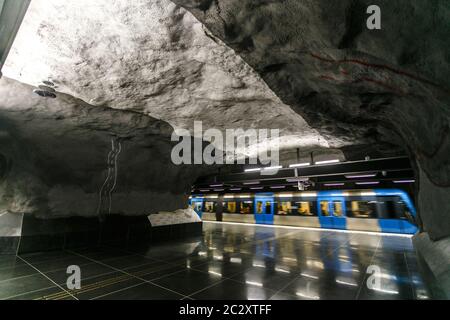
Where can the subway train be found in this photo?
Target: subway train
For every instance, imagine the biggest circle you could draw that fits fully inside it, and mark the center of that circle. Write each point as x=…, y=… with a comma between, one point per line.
x=382, y=210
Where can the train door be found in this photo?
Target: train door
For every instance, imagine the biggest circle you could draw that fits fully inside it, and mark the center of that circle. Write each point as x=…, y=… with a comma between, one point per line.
x=264, y=209
x=332, y=213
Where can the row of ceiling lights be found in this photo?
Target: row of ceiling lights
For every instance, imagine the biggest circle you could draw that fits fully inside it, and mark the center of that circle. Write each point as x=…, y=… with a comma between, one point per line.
x=297, y=165
x=254, y=183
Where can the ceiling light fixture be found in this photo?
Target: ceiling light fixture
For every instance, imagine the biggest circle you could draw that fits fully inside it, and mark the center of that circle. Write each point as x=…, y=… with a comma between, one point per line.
x=44, y=93
x=273, y=168
x=367, y=183
x=328, y=161
x=251, y=183
x=299, y=165
x=405, y=181
x=253, y=170
x=361, y=176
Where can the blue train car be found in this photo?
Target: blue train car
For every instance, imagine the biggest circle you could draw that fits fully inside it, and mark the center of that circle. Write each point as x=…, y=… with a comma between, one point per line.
x=382, y=210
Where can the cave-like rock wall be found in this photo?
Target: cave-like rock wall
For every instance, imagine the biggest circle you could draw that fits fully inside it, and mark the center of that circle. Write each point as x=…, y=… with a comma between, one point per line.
x=388, y=86
x=62, y=157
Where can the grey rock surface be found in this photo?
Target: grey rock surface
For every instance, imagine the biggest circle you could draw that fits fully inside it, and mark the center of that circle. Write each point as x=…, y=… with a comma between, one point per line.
x=436, y=256
x=151, y=57
x=55, y=153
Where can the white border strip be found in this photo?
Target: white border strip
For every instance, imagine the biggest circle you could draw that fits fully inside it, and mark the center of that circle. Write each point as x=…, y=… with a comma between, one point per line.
x=317, y=229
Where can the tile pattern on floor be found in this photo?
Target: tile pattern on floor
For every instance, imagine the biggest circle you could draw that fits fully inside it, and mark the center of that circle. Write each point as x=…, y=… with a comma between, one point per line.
x=230, y=262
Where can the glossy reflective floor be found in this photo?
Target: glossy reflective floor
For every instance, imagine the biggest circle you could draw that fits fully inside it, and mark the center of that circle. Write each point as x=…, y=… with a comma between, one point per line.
x=229, y=262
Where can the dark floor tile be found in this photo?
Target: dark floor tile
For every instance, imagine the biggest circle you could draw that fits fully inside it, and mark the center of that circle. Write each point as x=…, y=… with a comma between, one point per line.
x=20, y=270
x=284, y=296
x=43, y=294
x=275, y=278
x=59, y=264
x=128, y=261
x=387, y=292
x=164, y=255
x=187, y=282
x=40, y=257
x=314, y=287
x=87, y=271
x=232, y=290
x=104, y=284
x=143, y=291
x=9, y=261
x=225, y=269
x=13, y=287
x=155, y=270
x=101, y=253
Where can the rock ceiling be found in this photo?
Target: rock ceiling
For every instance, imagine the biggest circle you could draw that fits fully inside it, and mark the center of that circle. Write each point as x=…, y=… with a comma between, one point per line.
x=151, y=57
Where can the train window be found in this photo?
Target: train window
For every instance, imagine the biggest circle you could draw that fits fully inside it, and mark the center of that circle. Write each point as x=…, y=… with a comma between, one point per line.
x=389, y=211
x=268, y=207
x=283, y=208
x=392, y=208
x=337, y=209
x=405, y=213
x=259, y=207
x=362, y=209
x=210, y=207
x=324, y=208
x=245, y=207
x=306, y=208
x=230, y=207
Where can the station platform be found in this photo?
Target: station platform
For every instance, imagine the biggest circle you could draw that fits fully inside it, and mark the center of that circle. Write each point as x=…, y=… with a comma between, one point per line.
x=229, y=261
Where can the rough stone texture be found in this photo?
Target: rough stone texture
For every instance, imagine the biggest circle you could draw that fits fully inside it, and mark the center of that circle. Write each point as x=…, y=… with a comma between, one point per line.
x=180, y=216
x=388, y=86
x=10, y=224
x=151, y=57
x=55, y=158
x=436, y=255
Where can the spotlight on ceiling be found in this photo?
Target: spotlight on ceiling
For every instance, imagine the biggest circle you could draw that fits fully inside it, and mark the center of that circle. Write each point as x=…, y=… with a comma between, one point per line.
x=46, y=89
x=44, y=93
x=48, y=83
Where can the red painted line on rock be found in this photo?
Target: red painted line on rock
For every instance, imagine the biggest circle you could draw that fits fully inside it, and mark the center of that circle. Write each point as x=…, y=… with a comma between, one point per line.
x=373, y=81
x=379, y=66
